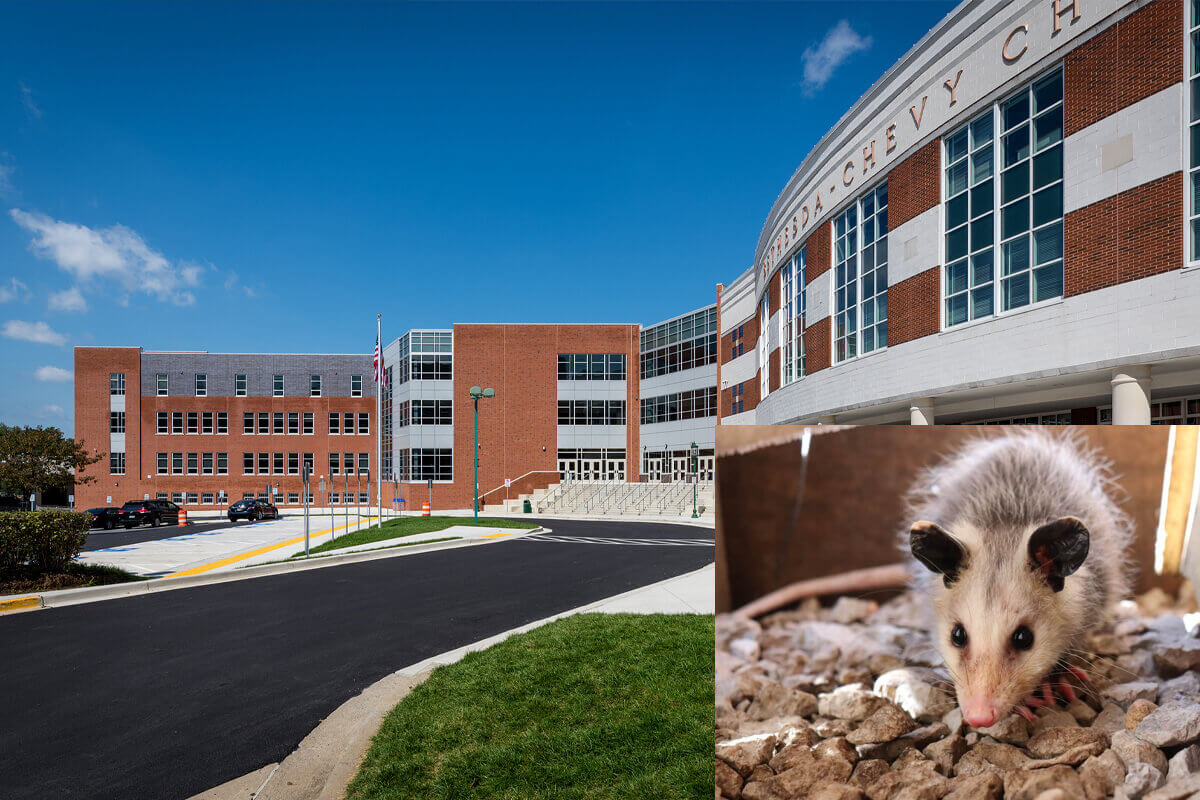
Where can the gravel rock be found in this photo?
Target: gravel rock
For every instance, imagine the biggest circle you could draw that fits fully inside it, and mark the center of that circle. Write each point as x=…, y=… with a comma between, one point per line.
x=774, y=700
x=914, y=691
x=1138, y=710
x=1102, y=774
x=1178, y=658
x=1184, y=762
x=1141, y=778
x=837, y=748
x=852, y=609
x=1133, y=750
x=1186, y=686
x=836, y=791
x=987, y=786
x=1110, y=719
x=1028, y=784
x=852, y=702
x=1013, y=729
x=1173, y=724
x=1123, y=694
x=945, y=752
x=1176, y=789
x=869, y=770
x=887, y=723
x=743, y=755
x=1052, y=718
x=729, y=782
x=1057, y=741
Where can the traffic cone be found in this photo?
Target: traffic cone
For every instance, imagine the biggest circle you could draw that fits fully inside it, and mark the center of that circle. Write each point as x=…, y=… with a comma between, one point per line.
x=183, y=520
x=424, y=509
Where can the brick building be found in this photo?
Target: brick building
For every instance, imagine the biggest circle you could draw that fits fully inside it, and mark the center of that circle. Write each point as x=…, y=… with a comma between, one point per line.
x=1000, y=230
x=204, y=428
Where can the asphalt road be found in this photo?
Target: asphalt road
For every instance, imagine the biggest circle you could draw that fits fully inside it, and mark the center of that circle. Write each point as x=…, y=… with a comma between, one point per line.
x=166, y=695
x=100, y=539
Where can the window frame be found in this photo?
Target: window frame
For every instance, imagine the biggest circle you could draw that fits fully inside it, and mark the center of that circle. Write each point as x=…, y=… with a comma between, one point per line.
x=316, y=385
x=162, y=384
x=116, y=383
x=356, y=385
x=201, y=384
x=240, y=385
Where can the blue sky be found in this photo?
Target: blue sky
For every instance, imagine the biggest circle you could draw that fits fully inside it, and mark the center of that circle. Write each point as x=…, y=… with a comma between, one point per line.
x=268, y=177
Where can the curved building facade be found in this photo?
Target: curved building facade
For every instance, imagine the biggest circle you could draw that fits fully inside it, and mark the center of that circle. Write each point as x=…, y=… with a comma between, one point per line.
x=1004, y=228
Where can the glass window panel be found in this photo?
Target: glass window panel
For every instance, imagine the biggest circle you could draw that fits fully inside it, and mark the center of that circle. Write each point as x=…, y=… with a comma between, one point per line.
x=1047, y=92
x=981, y=302
x=1015, y=255
x=1048, y=243
x=1195, y=136
x=1016, y=145
x=1015, y=111
x=868, y=260
x=956, y=309
x=956, y=277
x=1048, y=205
x=956, y=243
x=1196, y=239
x=1195, y=44
x=881, y=221
x=1047, y=129
x=868, y=319
x=1014, y=218
x=1014, y=183
x=868, y=284
x=982, y=198
x=981, y=267
x=1195, y=99
x=982, y=232
x=881, y=306
x=1016, y=291
x=1048, y=282
x=981, y=165
x=981, y=130
x=956, y=211
x=1047, y=167
x=956, y=146
x=956, y=178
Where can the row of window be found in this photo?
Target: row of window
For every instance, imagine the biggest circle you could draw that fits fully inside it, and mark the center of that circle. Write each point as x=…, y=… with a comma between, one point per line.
x=738, y=398
x=591, y=412
x=192, y=463
x=425, y=464
x=690, y=326
x=693, y=404
x=426, y=412
x=426, y=356
x=680, y=356
x=343, y=463
x=240, y=385
x=792, y=320
x=591, y=366
x=204, y=422
x=222, y=498
x=278, y=423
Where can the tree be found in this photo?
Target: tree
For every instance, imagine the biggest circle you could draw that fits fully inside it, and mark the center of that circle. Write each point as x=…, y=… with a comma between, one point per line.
x=41, y=459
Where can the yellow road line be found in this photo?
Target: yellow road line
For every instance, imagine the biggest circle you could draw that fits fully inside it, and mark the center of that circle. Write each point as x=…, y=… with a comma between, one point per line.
x=27, y=603
x=494, y=535
x=267, y=549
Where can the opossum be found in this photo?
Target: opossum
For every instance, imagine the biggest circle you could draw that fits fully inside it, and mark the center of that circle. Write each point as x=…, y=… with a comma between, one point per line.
x=1020, y=549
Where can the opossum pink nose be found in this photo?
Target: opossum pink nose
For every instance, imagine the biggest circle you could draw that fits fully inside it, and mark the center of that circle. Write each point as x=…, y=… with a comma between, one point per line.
x=981, y=718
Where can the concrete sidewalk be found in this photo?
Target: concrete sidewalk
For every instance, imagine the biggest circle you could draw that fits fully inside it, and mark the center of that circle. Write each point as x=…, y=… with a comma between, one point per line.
x=325, y=762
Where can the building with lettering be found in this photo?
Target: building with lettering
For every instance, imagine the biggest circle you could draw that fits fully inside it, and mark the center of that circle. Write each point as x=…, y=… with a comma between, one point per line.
x=1004, y=228
x=593, y=402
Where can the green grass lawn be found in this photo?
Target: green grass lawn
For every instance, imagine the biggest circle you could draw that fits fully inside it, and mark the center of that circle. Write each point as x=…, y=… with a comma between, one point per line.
x=408, y=526
x=596, y=706
x=75, y=576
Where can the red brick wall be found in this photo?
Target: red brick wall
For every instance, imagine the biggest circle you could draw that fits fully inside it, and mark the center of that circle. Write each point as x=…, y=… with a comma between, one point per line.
x=1132, y=235
x=518, y=428
x=775, y=288
x=92, y=368
x=1140, y=55
x=818, y=254
x=913, y=307
x=773, y=375
x=816, y=345
x=914, y=185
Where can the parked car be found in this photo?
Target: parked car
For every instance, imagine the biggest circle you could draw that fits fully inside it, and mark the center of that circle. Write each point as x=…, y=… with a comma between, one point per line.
x=149, y=512
x=252, y=510
x=107, y=518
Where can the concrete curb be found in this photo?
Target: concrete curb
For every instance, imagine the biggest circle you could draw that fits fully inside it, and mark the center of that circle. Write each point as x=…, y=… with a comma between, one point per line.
x=92, y=594
x=324, y=763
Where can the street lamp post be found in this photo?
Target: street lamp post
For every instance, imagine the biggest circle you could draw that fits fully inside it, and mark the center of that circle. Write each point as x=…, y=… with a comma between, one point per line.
x=477, y=393
x=695, y=452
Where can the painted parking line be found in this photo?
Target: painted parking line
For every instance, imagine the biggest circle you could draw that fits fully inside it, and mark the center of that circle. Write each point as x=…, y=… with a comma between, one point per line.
x=608, y=540
x=224, y=562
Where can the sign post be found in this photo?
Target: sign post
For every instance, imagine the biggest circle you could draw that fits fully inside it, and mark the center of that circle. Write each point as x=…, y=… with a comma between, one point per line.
x=431, y=495
x=304, y=481
x=507, y=486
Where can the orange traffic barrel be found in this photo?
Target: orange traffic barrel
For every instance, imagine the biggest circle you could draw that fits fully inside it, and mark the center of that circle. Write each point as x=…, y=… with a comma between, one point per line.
x=182, y=516
x=424, y=509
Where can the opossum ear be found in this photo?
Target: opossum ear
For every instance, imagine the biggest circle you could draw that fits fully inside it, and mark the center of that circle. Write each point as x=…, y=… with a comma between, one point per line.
x=1057, y=549
x=937, y=550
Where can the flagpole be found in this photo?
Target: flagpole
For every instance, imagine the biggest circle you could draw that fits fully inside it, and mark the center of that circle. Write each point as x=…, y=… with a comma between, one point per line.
x=379, y=420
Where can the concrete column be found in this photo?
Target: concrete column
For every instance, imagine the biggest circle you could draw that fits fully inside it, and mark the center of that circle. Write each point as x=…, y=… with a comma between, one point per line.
x=920, y=411
x=1131, y=395
x=828, y=419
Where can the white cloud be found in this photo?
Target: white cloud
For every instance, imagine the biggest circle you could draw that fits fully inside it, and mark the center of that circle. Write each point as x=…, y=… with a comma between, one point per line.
x=116, y=254
x=233, y=284
x=37, y=332
x=68, y=300
x=840, y=42
x=52, y=374
x=27, y=100
x=16, y=290
x=53, y=409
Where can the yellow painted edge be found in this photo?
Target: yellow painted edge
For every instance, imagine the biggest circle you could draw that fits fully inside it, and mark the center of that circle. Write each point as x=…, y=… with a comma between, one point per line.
x=494, y=535
x=27, y=603
x=243, y=556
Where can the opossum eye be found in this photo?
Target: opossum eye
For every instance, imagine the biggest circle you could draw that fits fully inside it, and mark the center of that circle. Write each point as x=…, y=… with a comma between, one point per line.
x=1022, y=638
x=958, y=635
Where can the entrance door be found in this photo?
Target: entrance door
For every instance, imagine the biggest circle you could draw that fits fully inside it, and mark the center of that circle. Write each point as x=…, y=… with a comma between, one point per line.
x=679, y=468
x=707, y=467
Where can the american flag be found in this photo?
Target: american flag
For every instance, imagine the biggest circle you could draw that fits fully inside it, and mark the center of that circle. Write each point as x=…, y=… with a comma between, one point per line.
x=378, y=362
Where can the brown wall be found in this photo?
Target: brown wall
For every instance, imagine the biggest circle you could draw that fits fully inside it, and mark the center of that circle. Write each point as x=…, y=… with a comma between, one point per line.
x=1140, y=55
x=1131, y=235
x=817, y=261
x=817, y=355
x=916, y=301
x=92, y=368
x=851, y=498
x=914, y=185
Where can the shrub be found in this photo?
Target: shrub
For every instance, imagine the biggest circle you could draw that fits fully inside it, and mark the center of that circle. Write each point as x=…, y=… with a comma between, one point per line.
x=47, y=540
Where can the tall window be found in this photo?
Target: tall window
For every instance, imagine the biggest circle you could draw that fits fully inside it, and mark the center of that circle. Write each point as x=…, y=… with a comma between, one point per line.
x=201, y=384
x=356, y=385
x=335, y=423
x=314, y=386
x=193, y=422
x=206, y=422
x=294, y=422
x=116, y=422
x=116, y=383
x=222, y=463
x=239, y=385
x=116, y=463
x=1020, y=141
x=277, y=423
x=968, y=284
x=860, y=276
x=248, y=422
x=163, y=465
x=176, y=422
x=162, y=422
x=222, y=422
x=308, y=422
x=277, y=386
x=161, y=379
x=792, y=318
x=1193, y=210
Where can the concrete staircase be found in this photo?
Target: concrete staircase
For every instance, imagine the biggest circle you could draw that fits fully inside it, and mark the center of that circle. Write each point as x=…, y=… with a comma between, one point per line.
x=618, y=499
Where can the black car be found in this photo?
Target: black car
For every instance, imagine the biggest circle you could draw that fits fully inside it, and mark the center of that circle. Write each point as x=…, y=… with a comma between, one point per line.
x=252, y=510
x=149, y=512
x=107, y=518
